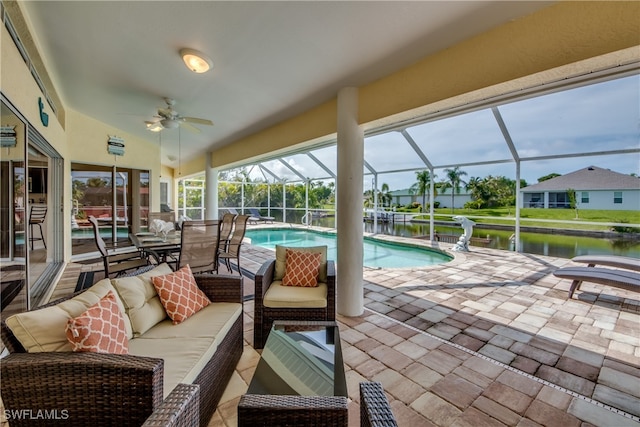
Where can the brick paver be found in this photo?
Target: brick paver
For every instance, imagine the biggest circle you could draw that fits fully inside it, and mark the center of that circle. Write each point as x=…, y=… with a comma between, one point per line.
x=512, y=311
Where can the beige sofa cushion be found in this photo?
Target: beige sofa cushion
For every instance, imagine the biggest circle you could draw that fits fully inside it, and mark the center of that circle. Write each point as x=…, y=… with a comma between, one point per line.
x=295, y=297
x=44, y=329
x=281, y=261
x=187, y=347
x=140, y=299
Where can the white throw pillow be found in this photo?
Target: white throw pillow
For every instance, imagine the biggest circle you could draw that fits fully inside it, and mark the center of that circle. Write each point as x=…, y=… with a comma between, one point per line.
x=44, y=329
x=141, y=302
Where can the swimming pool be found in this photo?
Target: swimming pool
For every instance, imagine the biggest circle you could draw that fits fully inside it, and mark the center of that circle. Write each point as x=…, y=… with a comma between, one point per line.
x=87, y=233
x=377, y=254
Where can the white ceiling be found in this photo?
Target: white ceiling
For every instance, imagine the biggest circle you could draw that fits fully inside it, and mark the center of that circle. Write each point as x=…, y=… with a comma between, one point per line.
x=115, y=61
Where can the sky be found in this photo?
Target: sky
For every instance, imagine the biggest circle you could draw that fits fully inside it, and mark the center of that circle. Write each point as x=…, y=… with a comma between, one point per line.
x=599, y=117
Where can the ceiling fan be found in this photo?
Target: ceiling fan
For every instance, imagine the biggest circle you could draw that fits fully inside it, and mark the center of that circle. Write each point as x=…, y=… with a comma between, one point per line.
x=168, y=118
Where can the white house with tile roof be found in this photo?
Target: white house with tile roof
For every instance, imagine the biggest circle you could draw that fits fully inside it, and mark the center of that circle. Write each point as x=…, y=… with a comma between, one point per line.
x=595, y=188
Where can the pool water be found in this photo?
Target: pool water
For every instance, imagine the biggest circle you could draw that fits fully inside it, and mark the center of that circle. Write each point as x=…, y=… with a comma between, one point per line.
x=377, y=254
x=87, y=233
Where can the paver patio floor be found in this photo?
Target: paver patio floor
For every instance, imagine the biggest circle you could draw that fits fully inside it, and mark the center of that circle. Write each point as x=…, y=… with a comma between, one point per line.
x=487, y=339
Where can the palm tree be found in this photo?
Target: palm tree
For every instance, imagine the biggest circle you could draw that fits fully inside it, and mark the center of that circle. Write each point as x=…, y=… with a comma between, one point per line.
x=475, y=186
x=422, y=186
x=384, y=195
x=454, y=181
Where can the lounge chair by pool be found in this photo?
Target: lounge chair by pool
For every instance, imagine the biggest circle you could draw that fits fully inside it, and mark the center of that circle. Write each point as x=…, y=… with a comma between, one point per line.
x=627, y=263
x=256, y=213
x=606, y=276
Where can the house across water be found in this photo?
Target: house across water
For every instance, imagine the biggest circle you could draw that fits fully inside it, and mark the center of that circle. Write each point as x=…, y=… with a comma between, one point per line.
x=595, y=188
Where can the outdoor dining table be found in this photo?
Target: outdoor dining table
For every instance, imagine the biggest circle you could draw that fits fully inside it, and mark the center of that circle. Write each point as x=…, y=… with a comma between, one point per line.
x=148, y=241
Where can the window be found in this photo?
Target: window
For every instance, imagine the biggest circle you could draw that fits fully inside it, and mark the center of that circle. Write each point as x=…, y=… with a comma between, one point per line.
x=585, y=197
x=617, y=197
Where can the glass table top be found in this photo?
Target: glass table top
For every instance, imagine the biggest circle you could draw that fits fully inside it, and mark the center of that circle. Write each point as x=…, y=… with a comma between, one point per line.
x=301, y=358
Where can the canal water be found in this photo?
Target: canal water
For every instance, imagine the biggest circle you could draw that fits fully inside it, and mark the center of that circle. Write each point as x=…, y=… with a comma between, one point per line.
x=556, y=245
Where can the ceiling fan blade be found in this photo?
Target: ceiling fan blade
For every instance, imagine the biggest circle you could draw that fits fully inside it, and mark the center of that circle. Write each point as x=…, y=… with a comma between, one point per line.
x=198, y=121
x=164, y=112
x=189, y=127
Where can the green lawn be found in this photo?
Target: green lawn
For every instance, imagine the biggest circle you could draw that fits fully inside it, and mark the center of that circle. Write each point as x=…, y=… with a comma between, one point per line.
x=494, y=215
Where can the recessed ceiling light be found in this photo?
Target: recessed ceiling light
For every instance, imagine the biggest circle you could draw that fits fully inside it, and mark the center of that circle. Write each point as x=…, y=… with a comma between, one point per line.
x=196, y=61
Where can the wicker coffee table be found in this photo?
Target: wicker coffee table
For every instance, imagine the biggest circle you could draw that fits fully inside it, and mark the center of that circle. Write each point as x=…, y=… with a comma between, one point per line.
x=299, y=379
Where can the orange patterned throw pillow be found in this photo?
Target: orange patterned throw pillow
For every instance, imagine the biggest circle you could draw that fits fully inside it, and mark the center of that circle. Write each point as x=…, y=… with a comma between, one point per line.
x=301, y=269
x=180, y=294
x=100, y=329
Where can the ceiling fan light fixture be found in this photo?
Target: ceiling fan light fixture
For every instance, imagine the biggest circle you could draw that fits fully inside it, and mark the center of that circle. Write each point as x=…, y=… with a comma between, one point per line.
x=169, y=123
x=154, y=127
x=196, y=61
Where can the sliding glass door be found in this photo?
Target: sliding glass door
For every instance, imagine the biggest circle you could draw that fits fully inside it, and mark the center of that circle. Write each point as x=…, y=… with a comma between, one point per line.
x=117, y=197
x=31, y=225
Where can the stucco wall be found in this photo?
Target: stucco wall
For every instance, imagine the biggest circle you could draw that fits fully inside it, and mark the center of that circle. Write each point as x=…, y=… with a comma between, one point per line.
x=598, y=199
x=85, y=139
x=603, y=199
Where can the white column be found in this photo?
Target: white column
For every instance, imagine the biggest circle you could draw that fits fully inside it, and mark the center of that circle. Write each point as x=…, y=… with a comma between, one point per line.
x=211, y=190
x=518, y=202
x=375, y=203
x=350, y=153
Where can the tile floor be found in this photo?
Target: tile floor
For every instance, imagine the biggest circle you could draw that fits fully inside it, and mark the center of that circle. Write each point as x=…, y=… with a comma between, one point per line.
x=489, y=339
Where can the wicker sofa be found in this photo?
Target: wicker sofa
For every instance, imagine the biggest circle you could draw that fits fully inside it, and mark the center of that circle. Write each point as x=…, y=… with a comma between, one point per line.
x=96, y=389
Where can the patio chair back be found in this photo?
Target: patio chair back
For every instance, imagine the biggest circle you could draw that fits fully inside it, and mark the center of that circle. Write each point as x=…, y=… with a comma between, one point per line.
x=226, y=227
x=115, y=263
x=199, y=245
x=102, y=247
x=232, y=250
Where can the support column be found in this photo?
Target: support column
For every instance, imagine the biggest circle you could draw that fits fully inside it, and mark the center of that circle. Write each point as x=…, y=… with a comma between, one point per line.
x=211, y=190
x=350, y=161
x=518, y=203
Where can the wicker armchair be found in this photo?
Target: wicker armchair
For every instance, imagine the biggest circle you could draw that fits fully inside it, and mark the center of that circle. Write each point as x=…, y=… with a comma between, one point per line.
x=374, y=406
x=95, y=389
x=264, y=316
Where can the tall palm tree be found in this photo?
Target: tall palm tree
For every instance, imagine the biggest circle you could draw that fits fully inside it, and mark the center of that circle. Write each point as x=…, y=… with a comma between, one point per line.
x=454, y=181
x=384, y=196
x=422, y=186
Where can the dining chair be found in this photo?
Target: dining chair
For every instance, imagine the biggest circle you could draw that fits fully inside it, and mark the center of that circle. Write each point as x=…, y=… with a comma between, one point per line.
x=199, y=245
x=37, y=216
x=232, y=249
x=226, y=227
x=117, y=264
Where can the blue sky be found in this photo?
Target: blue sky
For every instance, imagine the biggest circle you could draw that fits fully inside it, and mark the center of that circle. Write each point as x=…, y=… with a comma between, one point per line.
x=599, y=117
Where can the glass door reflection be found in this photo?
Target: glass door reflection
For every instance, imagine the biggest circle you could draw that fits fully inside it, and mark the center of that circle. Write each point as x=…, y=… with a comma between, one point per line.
x=13, y=260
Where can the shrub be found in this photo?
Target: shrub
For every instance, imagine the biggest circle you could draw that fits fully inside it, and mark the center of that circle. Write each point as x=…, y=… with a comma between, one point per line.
x=623, y=229
x=474, y=204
